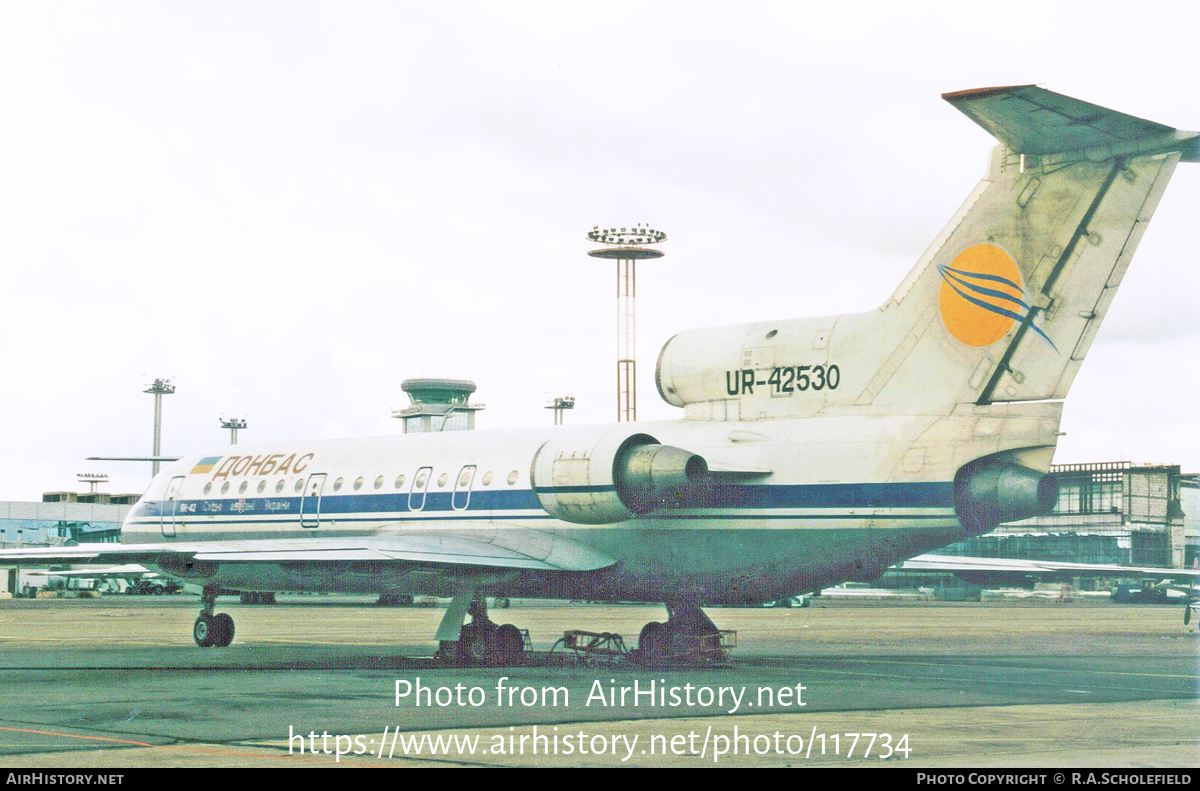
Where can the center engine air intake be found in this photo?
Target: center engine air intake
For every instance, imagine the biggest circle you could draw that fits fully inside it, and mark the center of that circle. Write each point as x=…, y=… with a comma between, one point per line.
x=988, y=495
x=596, y=479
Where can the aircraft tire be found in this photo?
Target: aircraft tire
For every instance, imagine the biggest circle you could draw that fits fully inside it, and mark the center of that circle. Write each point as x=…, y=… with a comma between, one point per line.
x=509, y=645
x=476, y=644
x=679, y=645
x=223, y=624
x=447, y=654
x=652, y=639
x=203, y=631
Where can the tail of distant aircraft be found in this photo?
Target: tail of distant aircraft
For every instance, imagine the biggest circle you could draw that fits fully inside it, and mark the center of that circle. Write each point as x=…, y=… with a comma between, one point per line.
x=1002, y=307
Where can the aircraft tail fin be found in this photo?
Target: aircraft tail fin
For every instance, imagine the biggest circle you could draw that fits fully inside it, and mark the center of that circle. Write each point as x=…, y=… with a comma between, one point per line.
x=1007, y=301
x=1002, y=307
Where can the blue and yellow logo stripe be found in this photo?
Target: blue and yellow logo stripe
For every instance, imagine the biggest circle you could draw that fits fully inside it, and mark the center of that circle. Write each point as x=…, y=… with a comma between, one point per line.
x=205, y=465
x=982, y=298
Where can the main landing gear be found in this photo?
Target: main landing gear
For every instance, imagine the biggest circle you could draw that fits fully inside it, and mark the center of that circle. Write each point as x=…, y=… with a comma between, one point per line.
x=688, y=636
x=209, y=629
x=480, y=642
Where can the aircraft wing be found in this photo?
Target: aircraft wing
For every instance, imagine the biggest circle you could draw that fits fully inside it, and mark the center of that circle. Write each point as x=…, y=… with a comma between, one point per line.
x=1188, y=589
x=952, y=563
x=125, y=570
x=523, y=549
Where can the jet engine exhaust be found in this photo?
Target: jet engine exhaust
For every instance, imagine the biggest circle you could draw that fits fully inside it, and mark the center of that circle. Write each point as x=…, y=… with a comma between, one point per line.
x=987, y=496
x=650, y=475
x=611, y=478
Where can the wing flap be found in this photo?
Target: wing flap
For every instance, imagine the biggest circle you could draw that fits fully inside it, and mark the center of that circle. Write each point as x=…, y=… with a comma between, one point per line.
x=80, y=553
x=518, y=550
x=126, y=570
x=954, y=563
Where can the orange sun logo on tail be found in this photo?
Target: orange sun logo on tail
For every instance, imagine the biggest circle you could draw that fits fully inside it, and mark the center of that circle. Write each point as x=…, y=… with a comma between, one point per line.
x=982, y=296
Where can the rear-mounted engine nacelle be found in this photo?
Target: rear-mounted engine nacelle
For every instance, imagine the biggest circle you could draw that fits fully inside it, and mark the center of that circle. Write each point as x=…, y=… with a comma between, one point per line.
x=604, y=478
x=986, y=495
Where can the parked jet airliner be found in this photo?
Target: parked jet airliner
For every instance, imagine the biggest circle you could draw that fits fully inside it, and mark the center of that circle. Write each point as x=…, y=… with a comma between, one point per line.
x=811, y=451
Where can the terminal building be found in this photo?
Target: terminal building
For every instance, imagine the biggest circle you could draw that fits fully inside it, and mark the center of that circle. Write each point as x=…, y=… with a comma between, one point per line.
x=63, y=517
x=60, y=518
x=1112, y=512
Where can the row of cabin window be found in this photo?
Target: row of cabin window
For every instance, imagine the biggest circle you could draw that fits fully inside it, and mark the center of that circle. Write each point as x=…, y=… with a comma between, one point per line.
x=463, y=482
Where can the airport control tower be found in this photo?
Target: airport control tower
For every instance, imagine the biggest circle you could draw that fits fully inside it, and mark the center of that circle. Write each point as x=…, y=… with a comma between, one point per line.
x=626, y=246
x=438, y=405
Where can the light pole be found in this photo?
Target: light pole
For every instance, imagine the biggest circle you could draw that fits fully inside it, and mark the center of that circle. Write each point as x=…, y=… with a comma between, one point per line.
x=160, y=388
x=233, y=424
x=559, y=405
x=93, y=479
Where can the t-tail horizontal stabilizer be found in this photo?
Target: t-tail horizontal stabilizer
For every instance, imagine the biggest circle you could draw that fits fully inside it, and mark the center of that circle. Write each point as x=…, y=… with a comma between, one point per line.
x=1031, y=120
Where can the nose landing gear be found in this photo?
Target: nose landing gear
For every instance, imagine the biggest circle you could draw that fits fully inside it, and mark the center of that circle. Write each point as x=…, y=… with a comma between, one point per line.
x=209, y=629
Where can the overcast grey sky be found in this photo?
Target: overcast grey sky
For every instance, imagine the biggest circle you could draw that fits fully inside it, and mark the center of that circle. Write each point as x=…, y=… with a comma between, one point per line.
x=288, y=208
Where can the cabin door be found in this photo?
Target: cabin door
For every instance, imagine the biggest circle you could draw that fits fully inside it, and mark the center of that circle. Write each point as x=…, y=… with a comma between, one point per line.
x=420, y=485
x=170, y=506
x=462, y=488
x=310, y=503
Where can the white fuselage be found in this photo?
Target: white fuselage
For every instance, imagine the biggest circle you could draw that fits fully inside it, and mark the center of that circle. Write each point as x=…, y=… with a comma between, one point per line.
x=830, y=501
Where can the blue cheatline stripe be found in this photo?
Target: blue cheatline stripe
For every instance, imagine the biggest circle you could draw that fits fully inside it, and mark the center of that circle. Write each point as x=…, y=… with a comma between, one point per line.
x=411, y=519
x=836, y=495
x=497, y=504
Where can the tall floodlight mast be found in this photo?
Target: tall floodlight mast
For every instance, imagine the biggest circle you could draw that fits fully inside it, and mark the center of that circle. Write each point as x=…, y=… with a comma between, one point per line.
x=160, y=388
x=626, y=246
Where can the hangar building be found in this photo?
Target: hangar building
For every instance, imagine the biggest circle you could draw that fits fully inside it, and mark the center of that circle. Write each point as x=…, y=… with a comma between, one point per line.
x=1111, y=512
